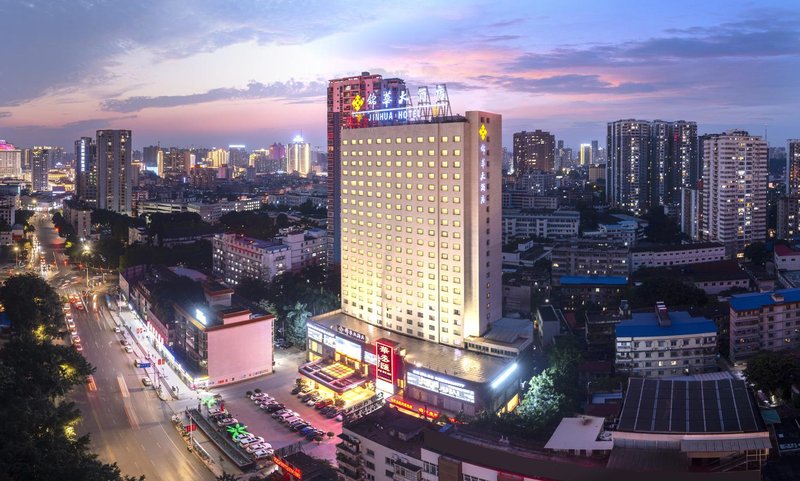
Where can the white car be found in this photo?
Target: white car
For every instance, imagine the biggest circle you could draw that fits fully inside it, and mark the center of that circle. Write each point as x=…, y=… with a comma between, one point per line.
x=253, y=440
x=262, y=454
x=258, y=447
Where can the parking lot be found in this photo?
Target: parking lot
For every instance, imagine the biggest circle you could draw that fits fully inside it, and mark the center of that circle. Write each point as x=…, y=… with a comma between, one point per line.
x=261, y=423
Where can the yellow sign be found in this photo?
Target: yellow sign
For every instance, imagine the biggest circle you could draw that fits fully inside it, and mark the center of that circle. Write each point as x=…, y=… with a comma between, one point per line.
x=357, y=102
x=482, y=131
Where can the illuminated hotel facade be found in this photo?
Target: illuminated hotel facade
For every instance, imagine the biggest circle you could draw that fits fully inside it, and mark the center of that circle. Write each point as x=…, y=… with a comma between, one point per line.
x=421, y=257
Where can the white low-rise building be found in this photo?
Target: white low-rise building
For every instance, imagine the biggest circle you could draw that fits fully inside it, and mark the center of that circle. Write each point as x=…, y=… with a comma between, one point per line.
x=664, y=343
x=237, y=257
x=661, y=256
x=786, y=258
x=540, y=223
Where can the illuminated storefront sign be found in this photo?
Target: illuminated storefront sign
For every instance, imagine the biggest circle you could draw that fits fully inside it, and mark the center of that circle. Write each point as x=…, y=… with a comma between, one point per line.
x=370, y=358
x=348, y=348
x=198, y=314
x=351, y=333
x=419, y=411
x=287, y=468
x=329, y=341
x=388, y=107
x=384, y=369
x=444, y=386
x=314, y=333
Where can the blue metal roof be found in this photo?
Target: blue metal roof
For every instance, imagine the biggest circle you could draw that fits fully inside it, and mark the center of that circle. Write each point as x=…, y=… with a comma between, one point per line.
x=757, y=300
x=594, y=280
x=646, y=325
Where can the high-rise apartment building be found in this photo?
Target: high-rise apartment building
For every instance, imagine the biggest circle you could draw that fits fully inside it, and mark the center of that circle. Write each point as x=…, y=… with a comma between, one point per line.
x=114, y=182
x=298, y=157
x=40, y=165
x=628, y=164
x=534, y=151
x=217, y=158
x=86, y=170
x=793, y=167
x=734, y=189
x=10, y=160
x=421, y=231
x=237, y=155
x=586, y=154
x=342, y=92
x=649, y=163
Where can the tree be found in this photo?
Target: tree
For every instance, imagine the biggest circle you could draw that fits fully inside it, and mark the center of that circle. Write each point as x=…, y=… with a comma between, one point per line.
x=38, y=436
x=662, y=229
x=296, y=320
x=543, y=402
x=225, y=476
x=32, y=306
x=757, y=253
x=773, y=372
x=674, y=292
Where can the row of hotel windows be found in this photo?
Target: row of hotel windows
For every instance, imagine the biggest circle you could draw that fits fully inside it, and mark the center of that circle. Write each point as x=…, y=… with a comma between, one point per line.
x=399, y=140
x=360, y=213
x=400, y=153
x=399, y=175
x=399, y=163
x=358, y=238
x=431, y=209
x=431, y=255
x=351, y=300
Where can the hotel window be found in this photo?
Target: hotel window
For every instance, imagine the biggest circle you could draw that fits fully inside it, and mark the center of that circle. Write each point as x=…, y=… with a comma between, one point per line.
x=444, y=139
x=457, y=138
x=444, y=151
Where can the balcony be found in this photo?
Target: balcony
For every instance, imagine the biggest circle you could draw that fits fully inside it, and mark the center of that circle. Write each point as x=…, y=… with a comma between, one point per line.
x=343, y=460
x=350, y=474
x=348, y=447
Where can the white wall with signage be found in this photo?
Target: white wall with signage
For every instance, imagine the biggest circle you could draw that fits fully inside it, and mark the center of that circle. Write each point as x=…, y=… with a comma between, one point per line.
x=440, y=384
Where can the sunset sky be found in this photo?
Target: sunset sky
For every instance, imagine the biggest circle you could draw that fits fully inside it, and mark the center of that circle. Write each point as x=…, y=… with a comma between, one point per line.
x=214, y=73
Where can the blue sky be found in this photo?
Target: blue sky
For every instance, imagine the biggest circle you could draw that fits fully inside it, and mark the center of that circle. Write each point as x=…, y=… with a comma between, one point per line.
x=215, y=73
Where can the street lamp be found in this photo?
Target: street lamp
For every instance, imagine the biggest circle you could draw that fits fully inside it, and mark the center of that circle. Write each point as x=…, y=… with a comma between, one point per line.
x=16, y=253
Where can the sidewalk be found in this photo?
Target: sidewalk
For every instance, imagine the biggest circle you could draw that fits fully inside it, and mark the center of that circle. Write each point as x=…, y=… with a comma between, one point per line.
x=173, y=383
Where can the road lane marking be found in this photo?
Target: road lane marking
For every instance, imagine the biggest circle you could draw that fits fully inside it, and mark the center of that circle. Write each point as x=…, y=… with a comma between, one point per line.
x=122, y=386
x=131, y=414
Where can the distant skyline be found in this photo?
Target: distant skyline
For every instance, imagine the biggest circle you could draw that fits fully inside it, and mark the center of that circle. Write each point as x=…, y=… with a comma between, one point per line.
x=210, y=73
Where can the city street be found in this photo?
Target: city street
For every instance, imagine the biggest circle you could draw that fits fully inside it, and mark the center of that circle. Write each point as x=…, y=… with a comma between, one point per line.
x=127, y=422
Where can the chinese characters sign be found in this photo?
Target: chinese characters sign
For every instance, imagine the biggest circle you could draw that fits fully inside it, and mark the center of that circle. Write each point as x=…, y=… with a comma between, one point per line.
x=384, y=370
x=392, y=106
x=351, y=333
x=484, y=174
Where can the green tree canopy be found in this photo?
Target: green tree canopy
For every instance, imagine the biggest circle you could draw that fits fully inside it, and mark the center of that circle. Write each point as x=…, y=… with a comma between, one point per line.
x=31, y=303
x=773, y=372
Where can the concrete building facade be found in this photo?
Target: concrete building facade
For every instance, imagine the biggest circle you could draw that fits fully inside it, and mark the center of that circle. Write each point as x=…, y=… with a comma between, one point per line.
x=734, y=189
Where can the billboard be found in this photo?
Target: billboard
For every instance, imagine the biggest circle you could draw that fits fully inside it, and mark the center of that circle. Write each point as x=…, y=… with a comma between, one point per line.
x=384, y=370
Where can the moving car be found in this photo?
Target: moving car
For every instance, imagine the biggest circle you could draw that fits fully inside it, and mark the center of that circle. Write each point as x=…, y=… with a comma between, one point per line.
x=146, y=381
x=117, y=329
x=128, y=349
x=78, y=347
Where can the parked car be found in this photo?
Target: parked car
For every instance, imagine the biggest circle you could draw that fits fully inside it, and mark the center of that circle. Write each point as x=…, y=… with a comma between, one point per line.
x=310, y=436
x=78, y=347
x=339, y=417
x=257, y=447
x=305, y=397
x=146, y=381
x=264, y=453
x=128, y=349
x=251, y=440
x=271, y=408
x=334, y=413
x=278, y=413
x=298, y=388
x=323, y=403
x=299, y=425
x=305, y=390
x=306, y=430
x=227, y=421
x=117, y=330
x=258, y=395
x=240, y=437
x=289, y=417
